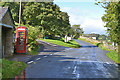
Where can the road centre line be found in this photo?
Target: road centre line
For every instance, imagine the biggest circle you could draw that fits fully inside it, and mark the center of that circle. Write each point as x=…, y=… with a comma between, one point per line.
x=38, y=58
x=29, y=62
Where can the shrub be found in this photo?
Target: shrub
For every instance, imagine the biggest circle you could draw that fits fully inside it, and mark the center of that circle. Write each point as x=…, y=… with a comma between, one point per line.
x=33, y=33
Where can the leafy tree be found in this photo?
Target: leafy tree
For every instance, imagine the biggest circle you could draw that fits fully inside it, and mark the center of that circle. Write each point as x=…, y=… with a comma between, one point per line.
x=48, y=16
x=112, y=20
x=32, y=36
x=14, y=9
x=77, y=31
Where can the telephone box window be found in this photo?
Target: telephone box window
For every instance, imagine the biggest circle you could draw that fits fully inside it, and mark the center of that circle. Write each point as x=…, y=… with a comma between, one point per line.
x=21, y=40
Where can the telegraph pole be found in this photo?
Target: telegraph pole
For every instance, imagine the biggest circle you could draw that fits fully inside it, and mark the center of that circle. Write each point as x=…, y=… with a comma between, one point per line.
x=19, y=13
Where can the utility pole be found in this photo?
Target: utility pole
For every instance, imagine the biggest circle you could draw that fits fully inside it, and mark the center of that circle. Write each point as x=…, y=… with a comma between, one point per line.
x=19, y=13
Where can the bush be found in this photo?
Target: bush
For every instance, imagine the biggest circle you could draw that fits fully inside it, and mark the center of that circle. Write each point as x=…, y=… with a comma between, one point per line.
x=33, y=33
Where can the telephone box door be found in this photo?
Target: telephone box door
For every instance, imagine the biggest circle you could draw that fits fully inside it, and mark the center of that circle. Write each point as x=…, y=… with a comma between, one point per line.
x=21, y=40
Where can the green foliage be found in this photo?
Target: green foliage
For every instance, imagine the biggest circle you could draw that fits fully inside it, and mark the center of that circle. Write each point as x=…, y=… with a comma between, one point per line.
x=35, y=51
x=72, y=43
x=48, y=16
x=11, y=68
x=100, y=45
x=114, y=56
x=112, y=20
x=33, y=33
x=14, y=9
x=103, y=37
x=76, y=31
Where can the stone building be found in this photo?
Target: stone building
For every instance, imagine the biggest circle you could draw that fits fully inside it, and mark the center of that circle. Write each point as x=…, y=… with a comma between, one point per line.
x=6, y=32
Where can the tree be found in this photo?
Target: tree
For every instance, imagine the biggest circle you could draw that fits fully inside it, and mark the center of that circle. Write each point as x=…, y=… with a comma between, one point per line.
x=14, y=9
x=77, y=31
x=48, y=16
x=112, y=20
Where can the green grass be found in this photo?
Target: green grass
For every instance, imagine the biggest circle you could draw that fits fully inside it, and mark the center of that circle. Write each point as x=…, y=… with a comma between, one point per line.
x=113, y=55
x=71, y=44
x=94, y=43
x=33, y=52
x=12, y=68
x=0, y=69
x=100, y=45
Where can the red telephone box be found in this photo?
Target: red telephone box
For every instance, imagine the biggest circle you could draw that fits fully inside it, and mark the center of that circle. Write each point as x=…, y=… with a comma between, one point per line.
x=21, y=42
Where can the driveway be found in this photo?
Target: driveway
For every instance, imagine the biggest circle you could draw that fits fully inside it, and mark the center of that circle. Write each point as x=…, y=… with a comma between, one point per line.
x=87, y=62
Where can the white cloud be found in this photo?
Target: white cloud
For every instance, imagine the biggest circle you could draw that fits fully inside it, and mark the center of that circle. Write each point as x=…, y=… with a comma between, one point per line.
x=87, y=22
x=93, y=25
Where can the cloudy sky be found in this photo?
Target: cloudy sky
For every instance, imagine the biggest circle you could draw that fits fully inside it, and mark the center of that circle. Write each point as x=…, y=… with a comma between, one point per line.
x=85, y=13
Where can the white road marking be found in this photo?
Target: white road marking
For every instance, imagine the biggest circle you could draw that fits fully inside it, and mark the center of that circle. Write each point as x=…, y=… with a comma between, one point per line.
x=38, y=59
x=74, y=72
x=68, y=49
x=78, y=76
x=45, y=56
x=30, y=62
x=69, y=67
x=98, y=62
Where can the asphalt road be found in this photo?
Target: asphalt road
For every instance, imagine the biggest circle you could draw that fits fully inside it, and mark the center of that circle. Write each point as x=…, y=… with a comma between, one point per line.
x=86, y=62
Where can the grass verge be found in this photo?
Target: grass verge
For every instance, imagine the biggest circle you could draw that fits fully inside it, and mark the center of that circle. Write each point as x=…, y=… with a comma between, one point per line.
x=0, y=69
x=35, y=51
x=100, y=45
x=12, y=68
x=71, y=44
x=113, y=55
x=94, y=43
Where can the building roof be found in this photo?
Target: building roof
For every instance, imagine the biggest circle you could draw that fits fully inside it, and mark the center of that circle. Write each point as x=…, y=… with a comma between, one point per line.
x=3, y=11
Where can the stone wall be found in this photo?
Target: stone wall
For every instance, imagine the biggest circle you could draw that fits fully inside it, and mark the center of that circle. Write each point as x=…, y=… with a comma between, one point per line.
x=7, y=19
x=111, y=47
x=106, y=44
x=7, y=39
x=6, y=36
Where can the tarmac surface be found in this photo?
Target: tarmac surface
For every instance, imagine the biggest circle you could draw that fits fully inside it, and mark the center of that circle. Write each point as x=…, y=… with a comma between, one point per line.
x=59, y=63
